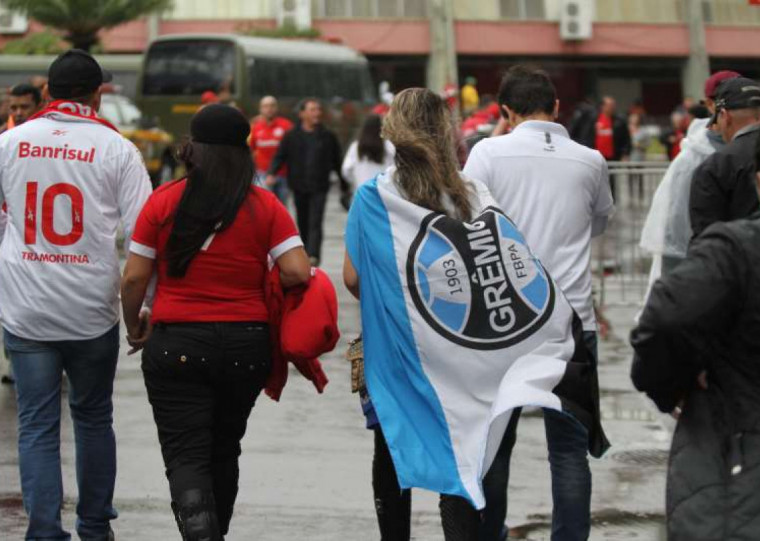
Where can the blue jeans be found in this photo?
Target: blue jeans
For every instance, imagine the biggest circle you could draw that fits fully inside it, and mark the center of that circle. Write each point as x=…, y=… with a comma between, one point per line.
x=90, y=366
x=567, y=440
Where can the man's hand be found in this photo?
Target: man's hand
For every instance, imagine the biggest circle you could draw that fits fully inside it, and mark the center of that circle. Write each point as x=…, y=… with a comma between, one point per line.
x=137, y=336
x=702, y=382
x=270, y=181
x=676, y=413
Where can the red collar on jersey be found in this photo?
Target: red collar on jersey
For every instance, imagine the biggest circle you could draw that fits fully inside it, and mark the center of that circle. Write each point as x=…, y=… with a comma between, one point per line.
x=71, y=108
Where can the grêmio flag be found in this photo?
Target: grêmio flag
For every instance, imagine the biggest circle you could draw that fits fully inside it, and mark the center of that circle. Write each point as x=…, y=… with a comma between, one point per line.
x=461, y=325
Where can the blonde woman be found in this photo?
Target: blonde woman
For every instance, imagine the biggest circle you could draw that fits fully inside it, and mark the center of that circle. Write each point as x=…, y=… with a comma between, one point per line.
x=426, y=175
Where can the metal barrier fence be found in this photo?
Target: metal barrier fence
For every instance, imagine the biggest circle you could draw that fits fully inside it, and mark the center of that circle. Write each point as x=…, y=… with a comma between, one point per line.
x=620, y=268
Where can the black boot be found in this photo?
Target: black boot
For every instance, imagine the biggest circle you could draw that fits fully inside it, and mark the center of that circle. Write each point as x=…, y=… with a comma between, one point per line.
x=460, y=520
x=195, y=512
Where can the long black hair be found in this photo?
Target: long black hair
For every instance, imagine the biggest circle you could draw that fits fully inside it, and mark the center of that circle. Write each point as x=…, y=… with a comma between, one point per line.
x=371, y=145
x=218, y=182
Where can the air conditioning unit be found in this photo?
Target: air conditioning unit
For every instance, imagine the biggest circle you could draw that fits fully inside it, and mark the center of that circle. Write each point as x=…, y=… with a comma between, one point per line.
x=576, y=19
x=295, y=13
x=12, y=23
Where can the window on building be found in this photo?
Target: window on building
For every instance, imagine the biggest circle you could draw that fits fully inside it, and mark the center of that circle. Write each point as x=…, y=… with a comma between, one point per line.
x=336, y=8
x=707, y=10
x=414, y=8
x=522, y=9
x=369, y=8
x=389, y=8
x=362, y=8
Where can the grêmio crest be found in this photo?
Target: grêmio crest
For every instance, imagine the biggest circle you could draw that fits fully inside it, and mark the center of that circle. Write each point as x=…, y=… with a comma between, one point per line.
x=476, y=283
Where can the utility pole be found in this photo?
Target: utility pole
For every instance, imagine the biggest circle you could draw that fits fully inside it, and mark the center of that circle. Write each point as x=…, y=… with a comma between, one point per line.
x=697, y=67
x=442, y=63
x=154, y=21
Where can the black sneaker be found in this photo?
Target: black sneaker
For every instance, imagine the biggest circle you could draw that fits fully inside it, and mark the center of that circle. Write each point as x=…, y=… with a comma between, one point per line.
x=7, y=380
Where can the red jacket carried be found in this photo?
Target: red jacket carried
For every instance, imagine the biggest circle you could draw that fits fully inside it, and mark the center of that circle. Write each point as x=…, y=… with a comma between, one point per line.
x=303, y=323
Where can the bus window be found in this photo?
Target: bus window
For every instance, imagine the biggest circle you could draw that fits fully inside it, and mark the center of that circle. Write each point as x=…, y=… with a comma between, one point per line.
x=189, y=67
x=279, y=78
x=317, y=79
x=369, y=94
x=352, y=82
x=261, y=76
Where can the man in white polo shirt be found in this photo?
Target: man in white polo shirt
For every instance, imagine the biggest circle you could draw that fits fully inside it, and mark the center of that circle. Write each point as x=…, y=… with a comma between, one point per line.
x=68, y=178
x=558, y=193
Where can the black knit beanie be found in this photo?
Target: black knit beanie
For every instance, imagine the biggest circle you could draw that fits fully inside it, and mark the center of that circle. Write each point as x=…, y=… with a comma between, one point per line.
x=219, y=124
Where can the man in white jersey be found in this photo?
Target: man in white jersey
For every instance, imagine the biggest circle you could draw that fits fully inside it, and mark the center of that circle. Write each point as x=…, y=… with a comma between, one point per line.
x=67, y=177
x=557, y=192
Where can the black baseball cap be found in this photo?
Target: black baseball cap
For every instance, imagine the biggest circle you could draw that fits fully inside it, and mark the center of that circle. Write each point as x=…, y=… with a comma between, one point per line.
x=736, y=93
x=74, y=74
x=219, y=124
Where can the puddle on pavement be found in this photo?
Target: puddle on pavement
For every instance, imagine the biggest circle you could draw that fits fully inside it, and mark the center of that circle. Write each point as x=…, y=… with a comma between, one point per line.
x=12, y=501
x=605, y=524
x=12, y=507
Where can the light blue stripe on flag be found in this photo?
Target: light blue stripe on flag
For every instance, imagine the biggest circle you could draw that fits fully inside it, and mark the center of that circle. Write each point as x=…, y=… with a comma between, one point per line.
x=411, y=416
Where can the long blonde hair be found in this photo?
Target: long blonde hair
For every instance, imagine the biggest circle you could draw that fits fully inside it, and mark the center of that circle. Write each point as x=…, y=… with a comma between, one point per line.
x=419, y=126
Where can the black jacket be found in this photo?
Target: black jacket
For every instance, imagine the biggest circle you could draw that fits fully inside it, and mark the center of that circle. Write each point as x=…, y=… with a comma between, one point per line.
x=723, y=187
x=310, y=157
x=582, y=130
x=705, y=315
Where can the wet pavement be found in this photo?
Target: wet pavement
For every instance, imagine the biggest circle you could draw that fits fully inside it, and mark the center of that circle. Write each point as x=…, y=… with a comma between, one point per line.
x=305, y=469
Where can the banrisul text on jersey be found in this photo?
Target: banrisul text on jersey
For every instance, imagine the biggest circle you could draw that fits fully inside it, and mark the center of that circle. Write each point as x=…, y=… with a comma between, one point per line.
x=28, y=150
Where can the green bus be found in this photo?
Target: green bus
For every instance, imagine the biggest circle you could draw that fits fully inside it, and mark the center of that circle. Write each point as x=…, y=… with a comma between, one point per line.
x=20, y=68
x=178, y=69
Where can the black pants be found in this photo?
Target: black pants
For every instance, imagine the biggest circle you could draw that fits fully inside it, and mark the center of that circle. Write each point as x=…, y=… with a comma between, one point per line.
x=495, y=484
x=310, y=214
x=459, y=519
x=202, y=380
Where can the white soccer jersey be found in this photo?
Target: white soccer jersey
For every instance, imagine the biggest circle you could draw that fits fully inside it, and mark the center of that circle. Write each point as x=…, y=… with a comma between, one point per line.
x=67, y=181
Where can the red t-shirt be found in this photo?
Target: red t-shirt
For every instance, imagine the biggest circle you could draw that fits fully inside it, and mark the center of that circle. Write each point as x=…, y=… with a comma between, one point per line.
x=225, y=280
x=265, y=138
x=604, y=140
x=675, y=150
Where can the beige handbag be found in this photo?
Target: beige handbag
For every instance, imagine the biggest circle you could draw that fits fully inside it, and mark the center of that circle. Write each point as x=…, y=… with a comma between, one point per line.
x=355, y=355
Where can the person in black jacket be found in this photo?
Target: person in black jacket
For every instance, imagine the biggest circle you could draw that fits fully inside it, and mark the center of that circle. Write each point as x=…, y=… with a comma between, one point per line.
x=311, y=152
x=697, y=355
x=602, y=129
x=583, y=128
x=723, y=187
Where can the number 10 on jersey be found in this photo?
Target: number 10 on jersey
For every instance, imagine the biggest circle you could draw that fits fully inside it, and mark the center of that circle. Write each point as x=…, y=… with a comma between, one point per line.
x=49, y=199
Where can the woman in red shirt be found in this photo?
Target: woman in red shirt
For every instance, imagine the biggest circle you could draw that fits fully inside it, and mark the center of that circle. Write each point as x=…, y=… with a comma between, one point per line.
x=205, y=360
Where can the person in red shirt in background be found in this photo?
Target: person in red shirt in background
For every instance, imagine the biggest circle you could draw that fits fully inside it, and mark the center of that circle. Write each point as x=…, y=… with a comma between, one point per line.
x=605, y=142
x=612, y=138
x=208, y=238
x=267, y=131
